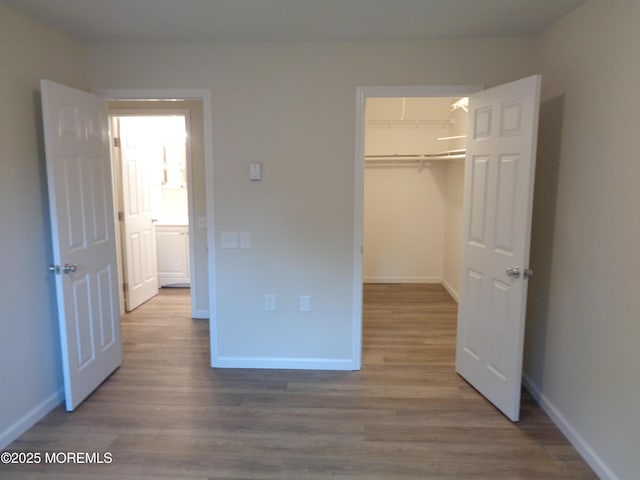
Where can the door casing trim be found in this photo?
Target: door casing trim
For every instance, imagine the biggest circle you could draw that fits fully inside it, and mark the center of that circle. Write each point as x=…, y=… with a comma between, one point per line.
x=203, y=95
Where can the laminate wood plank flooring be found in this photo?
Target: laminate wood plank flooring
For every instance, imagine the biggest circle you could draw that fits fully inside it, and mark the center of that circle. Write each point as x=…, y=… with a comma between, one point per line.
x=165, y=414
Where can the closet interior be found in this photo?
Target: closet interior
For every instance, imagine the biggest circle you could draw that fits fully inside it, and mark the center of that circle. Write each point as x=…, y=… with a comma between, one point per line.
x=414, y=185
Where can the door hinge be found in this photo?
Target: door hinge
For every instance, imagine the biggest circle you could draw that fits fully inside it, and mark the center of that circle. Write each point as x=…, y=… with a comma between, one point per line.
x=116, y=141
x=121, y=216
x=125, y=287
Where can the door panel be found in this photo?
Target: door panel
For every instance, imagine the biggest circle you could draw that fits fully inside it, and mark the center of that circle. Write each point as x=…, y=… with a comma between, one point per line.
x=478, y=187
x=497, y=223
x=99, y=203
x=141, y=272
x=105, y=307
x=469, y=333
x=83, y=326
x=79, y=181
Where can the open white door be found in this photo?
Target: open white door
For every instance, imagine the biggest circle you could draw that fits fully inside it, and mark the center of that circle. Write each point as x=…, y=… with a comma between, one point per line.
x=499, y=176
x=139, y=232
x=84, y=249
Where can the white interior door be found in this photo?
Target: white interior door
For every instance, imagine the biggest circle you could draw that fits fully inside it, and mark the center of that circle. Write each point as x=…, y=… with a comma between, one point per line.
x=499, y=175
x=80, y=198
x=139, y=232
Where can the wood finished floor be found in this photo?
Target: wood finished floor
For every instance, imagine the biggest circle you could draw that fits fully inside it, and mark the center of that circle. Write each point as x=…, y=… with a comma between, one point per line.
x=165, y=414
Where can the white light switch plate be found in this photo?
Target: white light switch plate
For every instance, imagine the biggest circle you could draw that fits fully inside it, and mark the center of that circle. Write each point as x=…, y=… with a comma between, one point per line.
x=229, y=239
x=255, y=171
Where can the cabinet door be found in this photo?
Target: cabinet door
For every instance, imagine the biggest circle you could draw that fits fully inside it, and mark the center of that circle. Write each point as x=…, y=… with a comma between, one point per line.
x=173, y=254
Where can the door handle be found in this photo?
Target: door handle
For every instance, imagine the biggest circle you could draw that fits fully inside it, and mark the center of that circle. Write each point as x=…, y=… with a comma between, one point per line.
x=69, y=268
x=513, y=272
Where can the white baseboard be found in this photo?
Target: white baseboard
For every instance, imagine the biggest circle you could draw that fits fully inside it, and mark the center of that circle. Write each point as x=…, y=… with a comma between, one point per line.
x=346, y=364
x=580, y=444
x=30, y=418
x=201, y=314
x=402, y=279
x=447, y=286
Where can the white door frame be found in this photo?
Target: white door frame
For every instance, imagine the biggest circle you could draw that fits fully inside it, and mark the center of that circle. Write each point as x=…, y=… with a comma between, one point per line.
x=204, y=96
x=362, y=93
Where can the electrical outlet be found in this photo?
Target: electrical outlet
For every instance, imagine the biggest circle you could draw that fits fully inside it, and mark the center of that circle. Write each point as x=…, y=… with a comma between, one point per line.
x=269, y=302
x=304, y=303
x=245, y=239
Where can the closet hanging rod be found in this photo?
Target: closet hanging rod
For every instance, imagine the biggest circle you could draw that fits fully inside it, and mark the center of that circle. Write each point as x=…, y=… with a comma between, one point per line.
x=448, y=155
x=453, y=137
x=411, y=159
x=405, y=122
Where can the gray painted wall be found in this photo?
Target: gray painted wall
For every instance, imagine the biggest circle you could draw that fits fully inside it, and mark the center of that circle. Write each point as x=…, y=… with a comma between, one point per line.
x=583, y=325
x=30, y=365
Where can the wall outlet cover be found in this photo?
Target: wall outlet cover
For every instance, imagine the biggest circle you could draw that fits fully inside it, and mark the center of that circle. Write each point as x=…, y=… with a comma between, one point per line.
x=245, y=239
x=304, y=303
x=269, y=302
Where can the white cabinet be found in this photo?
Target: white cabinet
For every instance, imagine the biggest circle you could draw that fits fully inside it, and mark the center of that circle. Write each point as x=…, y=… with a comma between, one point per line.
x=173, y=254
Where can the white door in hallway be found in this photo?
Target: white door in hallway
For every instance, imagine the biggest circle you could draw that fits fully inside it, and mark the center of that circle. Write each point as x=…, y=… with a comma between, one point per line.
x=83, y=237
x=139, y=230
x=499, y=177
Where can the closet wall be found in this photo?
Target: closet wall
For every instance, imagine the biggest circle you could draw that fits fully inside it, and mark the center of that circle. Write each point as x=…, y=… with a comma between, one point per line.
x=453, y=193
x=412, y=214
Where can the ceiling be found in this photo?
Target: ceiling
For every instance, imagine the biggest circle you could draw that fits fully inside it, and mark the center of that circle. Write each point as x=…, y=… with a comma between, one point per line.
x=122, y=21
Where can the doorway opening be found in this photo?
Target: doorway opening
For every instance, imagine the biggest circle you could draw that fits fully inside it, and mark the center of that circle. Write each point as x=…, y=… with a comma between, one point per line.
x=498, y=198
x=152, y=166
x=409, y=185
x=413, y=190
x=185, y=236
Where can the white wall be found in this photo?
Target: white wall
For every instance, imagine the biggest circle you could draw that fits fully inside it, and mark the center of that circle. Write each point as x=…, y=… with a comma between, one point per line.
x=173, y=204
x=453, y=181
x=292, y=108
x=404, y=206
x=583, y=326
x=30, y=367
x=403, y=225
